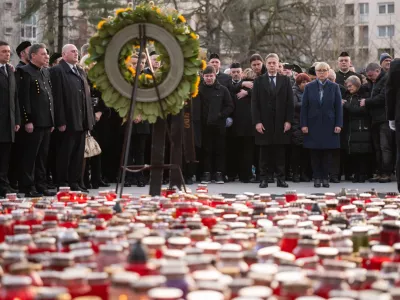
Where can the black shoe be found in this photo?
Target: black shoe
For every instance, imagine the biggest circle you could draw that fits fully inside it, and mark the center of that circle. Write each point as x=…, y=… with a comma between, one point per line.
x=102, y=183
x=385, y=179
x=33, y=194
x=325, y=183
x=263, y=184
x=140, y=183
x=77, y=188
x=271, y=180
x=362, y=179
x=206, y=178
x=375, y=178
x=304, y=178
x=95, y=186
x=188, y=181
x=86, y=186
x=296, y=178
x=282, y=183
x=317, y=183
x=47, y=193
x=127, y=184
x=356, y=178
x=219, y=179
x=335, y=179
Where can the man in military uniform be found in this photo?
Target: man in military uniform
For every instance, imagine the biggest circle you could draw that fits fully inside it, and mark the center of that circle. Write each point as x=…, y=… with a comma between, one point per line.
x=36, y=103
x=9, y=115
x=344, y=63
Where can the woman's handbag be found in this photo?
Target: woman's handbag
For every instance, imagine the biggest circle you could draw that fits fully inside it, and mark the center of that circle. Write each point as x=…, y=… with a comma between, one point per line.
x=92, y=148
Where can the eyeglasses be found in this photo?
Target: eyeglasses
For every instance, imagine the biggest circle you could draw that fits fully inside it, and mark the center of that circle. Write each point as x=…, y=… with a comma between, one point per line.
x=322, y=71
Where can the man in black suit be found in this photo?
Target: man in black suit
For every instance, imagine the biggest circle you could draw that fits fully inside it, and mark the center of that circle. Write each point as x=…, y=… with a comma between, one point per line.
x=393, y=107
x=10, y=119
x=36, y=102
x=272, y=114
x=73, y=116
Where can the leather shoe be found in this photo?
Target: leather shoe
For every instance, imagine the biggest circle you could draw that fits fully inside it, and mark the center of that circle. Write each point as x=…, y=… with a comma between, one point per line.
x=140, y=183
x=271, y=179
x=317, y=183
x=33, y=194
x=95, y=186
x=335, y=179
x=47, y=193
x=77, y=188
x=282, y=183
x=325, y=183
x=263, y=184
x=102, y=183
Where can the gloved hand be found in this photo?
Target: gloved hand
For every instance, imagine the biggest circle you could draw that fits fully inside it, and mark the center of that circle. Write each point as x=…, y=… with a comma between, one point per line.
x=228, y=122
x=392, y=125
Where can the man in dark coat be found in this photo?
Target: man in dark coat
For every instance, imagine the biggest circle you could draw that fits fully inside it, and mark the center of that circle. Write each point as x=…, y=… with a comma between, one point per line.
x=241, y=139
x=10, y=119
x=36, y=102
x=210, y=110
x=222, y=78
x=13, y=172
x=73, y=114
x=272, y=114
x=393, y=106
x=382, y=136
x=344, y=62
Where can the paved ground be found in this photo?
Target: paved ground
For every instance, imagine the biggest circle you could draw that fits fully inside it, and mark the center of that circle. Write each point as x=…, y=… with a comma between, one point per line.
x=308, y=188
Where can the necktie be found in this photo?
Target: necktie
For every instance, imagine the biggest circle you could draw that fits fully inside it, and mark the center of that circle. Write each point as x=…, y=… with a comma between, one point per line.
x=272, y=81
x=3, y=70
x=75, y=70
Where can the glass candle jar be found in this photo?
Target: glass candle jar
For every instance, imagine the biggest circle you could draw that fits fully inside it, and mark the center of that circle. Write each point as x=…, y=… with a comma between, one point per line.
x=75, y=280
x=121, y=283
x=360, y=238
x=292, y=290
x=380, y=254
x=110, y=254
x=16, y=287
x=52, y=293
x=289, y=240
x=144, y=284
x=165, y=294
x=329, y=281
x=176, y=276
x=206, y=294
x=5, y=227
x=291, y=196
x=390, y=233
x=99, y=285
x=326, y=253
x=305, y=248
x=184, y=208
x=59, y=261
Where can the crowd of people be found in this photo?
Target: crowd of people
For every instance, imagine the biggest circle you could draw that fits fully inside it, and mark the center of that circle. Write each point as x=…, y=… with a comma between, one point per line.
x=269, y=122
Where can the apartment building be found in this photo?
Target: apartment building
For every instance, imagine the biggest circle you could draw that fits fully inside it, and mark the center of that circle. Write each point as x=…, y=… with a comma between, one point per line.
x=372, y=27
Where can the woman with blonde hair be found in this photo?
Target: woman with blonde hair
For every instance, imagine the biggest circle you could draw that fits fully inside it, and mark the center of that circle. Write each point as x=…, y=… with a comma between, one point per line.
x=321, y=120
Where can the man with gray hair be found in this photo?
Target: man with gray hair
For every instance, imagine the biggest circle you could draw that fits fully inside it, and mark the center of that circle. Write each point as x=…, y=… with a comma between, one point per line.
x=382, y=138
x=36, y=102
x=74, y=116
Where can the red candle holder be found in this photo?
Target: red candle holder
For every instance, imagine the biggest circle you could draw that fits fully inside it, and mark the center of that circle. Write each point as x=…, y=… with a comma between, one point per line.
x=390, y=233
x=291, y=196
x=17, y=287
x=380, y=254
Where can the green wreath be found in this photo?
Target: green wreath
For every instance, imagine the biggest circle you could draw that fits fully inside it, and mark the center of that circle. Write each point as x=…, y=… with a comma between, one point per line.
x=175, y=24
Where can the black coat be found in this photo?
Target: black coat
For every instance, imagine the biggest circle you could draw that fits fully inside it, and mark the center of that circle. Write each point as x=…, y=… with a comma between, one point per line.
x=297, y=134
x=393, y=91
x=224, y=79
x=272, y=108
x=241, y=116
x=376, y=103
x=342, y=77
x=9, y=107
x=358, y=132
x=72, y=101
x=35, y=96
x=211, y=108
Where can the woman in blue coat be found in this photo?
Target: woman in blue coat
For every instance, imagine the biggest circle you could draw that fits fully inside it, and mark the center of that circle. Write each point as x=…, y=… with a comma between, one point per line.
x=321, y=120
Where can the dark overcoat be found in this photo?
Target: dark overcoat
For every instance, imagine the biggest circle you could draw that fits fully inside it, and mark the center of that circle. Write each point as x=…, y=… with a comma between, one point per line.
x=321, y=118
x=72, y=99
x=358, y=123
x=393, y=91
x=9, y=106
x=272, y=108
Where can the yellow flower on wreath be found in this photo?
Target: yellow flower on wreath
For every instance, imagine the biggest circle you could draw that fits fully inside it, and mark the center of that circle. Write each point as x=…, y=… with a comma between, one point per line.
x=195, y=93
x=119, y=10
x=182, y=19
x=193, y=36
x=148, y=76
x=101, y=24
x=203, y=64
x=128, y=59
x=197, y=82
x=132, y=70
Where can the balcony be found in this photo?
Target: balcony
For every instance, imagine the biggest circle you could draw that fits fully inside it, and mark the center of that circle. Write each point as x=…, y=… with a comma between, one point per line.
x=363, y=18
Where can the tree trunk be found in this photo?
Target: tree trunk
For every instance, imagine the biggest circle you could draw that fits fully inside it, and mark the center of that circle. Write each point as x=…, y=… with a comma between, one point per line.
x=60, y=33
x=49, y=31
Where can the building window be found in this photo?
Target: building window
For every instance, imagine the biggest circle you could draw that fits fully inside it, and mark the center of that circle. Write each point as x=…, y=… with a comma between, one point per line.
x=386, y=31
x=364, y=35
x=8, y=5
x=349, y=34
x=364, y=8
x=386, y=8
x=8, y=30
x=349, y=10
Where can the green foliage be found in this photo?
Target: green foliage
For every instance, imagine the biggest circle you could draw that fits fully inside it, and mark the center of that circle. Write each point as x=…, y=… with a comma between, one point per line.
x=95, y=10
